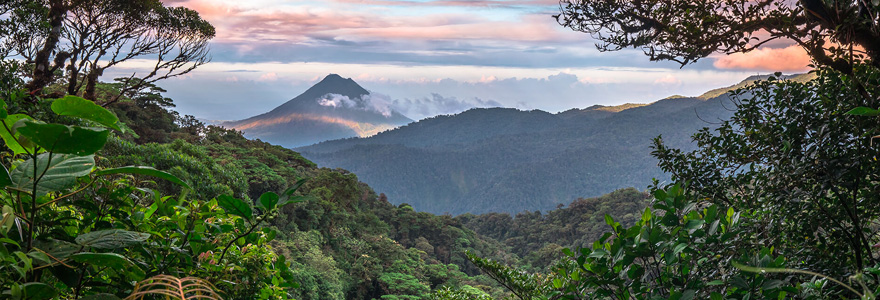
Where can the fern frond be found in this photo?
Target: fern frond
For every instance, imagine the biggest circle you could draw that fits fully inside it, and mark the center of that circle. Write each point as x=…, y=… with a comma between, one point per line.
x=173, y=288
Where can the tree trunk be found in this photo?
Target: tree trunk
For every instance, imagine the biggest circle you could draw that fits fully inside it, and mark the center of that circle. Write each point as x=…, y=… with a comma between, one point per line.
x=91, y=83
x=43, y=71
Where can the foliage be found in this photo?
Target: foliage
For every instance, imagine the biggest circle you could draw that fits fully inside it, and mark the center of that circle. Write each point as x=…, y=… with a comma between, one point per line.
x=85, y=38
x=523, y=285
x=539, y=237
x=680, y=249
x=70, y=230
x=790, y=152
x=686, y=31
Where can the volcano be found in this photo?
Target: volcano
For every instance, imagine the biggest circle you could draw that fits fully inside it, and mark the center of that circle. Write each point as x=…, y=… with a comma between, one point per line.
x=334, y=108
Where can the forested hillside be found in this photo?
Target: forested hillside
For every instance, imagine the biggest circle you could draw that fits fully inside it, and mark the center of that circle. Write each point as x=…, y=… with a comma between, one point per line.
x=508, y=160
x=539, y=237
x=343, y=241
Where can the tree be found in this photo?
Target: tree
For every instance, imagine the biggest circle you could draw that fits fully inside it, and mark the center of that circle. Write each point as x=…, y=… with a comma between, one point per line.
x=836, y=33
x=792, y=156
x=791, y=153
x=85, y=38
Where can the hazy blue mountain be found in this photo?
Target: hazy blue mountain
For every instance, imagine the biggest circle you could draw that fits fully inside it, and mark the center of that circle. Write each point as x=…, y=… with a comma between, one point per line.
x=334, y=108
x=509, y=160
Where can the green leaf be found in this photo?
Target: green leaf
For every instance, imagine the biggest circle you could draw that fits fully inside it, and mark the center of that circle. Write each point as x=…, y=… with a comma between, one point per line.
x=646, y=216
x=557, y=283
x=715, y=282
x=694, y=224
x=110, y=260
x=235, y=206
x=864, y=111
x=111, y=238
x=268, y=200
x=64, y=139
x=38, y=291
x=609, y=220
x=142, y=170
x=82, y=108
x=58, y=249
x=58, y=174
x=567, y=252
x=678, y=248
x=11, y=139
x=294, y=187
x=294, y=199
x=597, y=253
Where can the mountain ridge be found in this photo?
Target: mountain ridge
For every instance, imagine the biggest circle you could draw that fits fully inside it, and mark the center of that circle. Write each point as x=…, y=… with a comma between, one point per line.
x=510, y=160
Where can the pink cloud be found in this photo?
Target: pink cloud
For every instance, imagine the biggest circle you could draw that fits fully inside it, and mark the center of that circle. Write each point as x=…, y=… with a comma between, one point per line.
x=669, y=79
x=271, y=76
x=301, y=24
x=788, y=59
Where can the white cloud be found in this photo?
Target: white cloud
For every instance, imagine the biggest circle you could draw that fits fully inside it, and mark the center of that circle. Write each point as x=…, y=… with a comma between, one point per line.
x=375, y=103
x=436, y=104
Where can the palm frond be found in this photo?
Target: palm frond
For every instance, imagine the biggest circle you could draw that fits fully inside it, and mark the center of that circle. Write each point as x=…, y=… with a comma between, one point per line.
x=173, y=288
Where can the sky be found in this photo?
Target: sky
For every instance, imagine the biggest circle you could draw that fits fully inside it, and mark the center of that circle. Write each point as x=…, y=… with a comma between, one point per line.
x=430, y=57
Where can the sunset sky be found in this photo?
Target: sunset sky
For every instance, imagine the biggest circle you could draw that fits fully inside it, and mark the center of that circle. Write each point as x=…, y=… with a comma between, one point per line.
x=428, y=57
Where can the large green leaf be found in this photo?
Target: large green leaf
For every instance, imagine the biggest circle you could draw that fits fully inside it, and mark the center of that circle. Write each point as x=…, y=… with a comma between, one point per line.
x=114, y=261
x=64, y=139
x=142, y=170
x=268, y=200
x=111, y=238
x=38, y=291
x=58, y=249
x=82, y=108
x=11, y=139
x=864, y=111
x=235, y=206
x=58, y=173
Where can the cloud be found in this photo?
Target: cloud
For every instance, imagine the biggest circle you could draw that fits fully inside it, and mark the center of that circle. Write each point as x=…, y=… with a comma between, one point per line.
x=788, y=59
x=304, y=23
x=438, y=105
x=271, y=76
x=336, y=101
x=212, y=92
x=379, y=104
x=668, y=79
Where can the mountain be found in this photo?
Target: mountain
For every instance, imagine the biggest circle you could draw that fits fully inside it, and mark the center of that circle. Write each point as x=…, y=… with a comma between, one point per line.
x=334, y=108
x=509, y=160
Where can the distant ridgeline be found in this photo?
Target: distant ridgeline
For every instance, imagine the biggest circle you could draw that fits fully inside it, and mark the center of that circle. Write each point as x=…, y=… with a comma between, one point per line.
x=508, y=160
x=334, y=108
